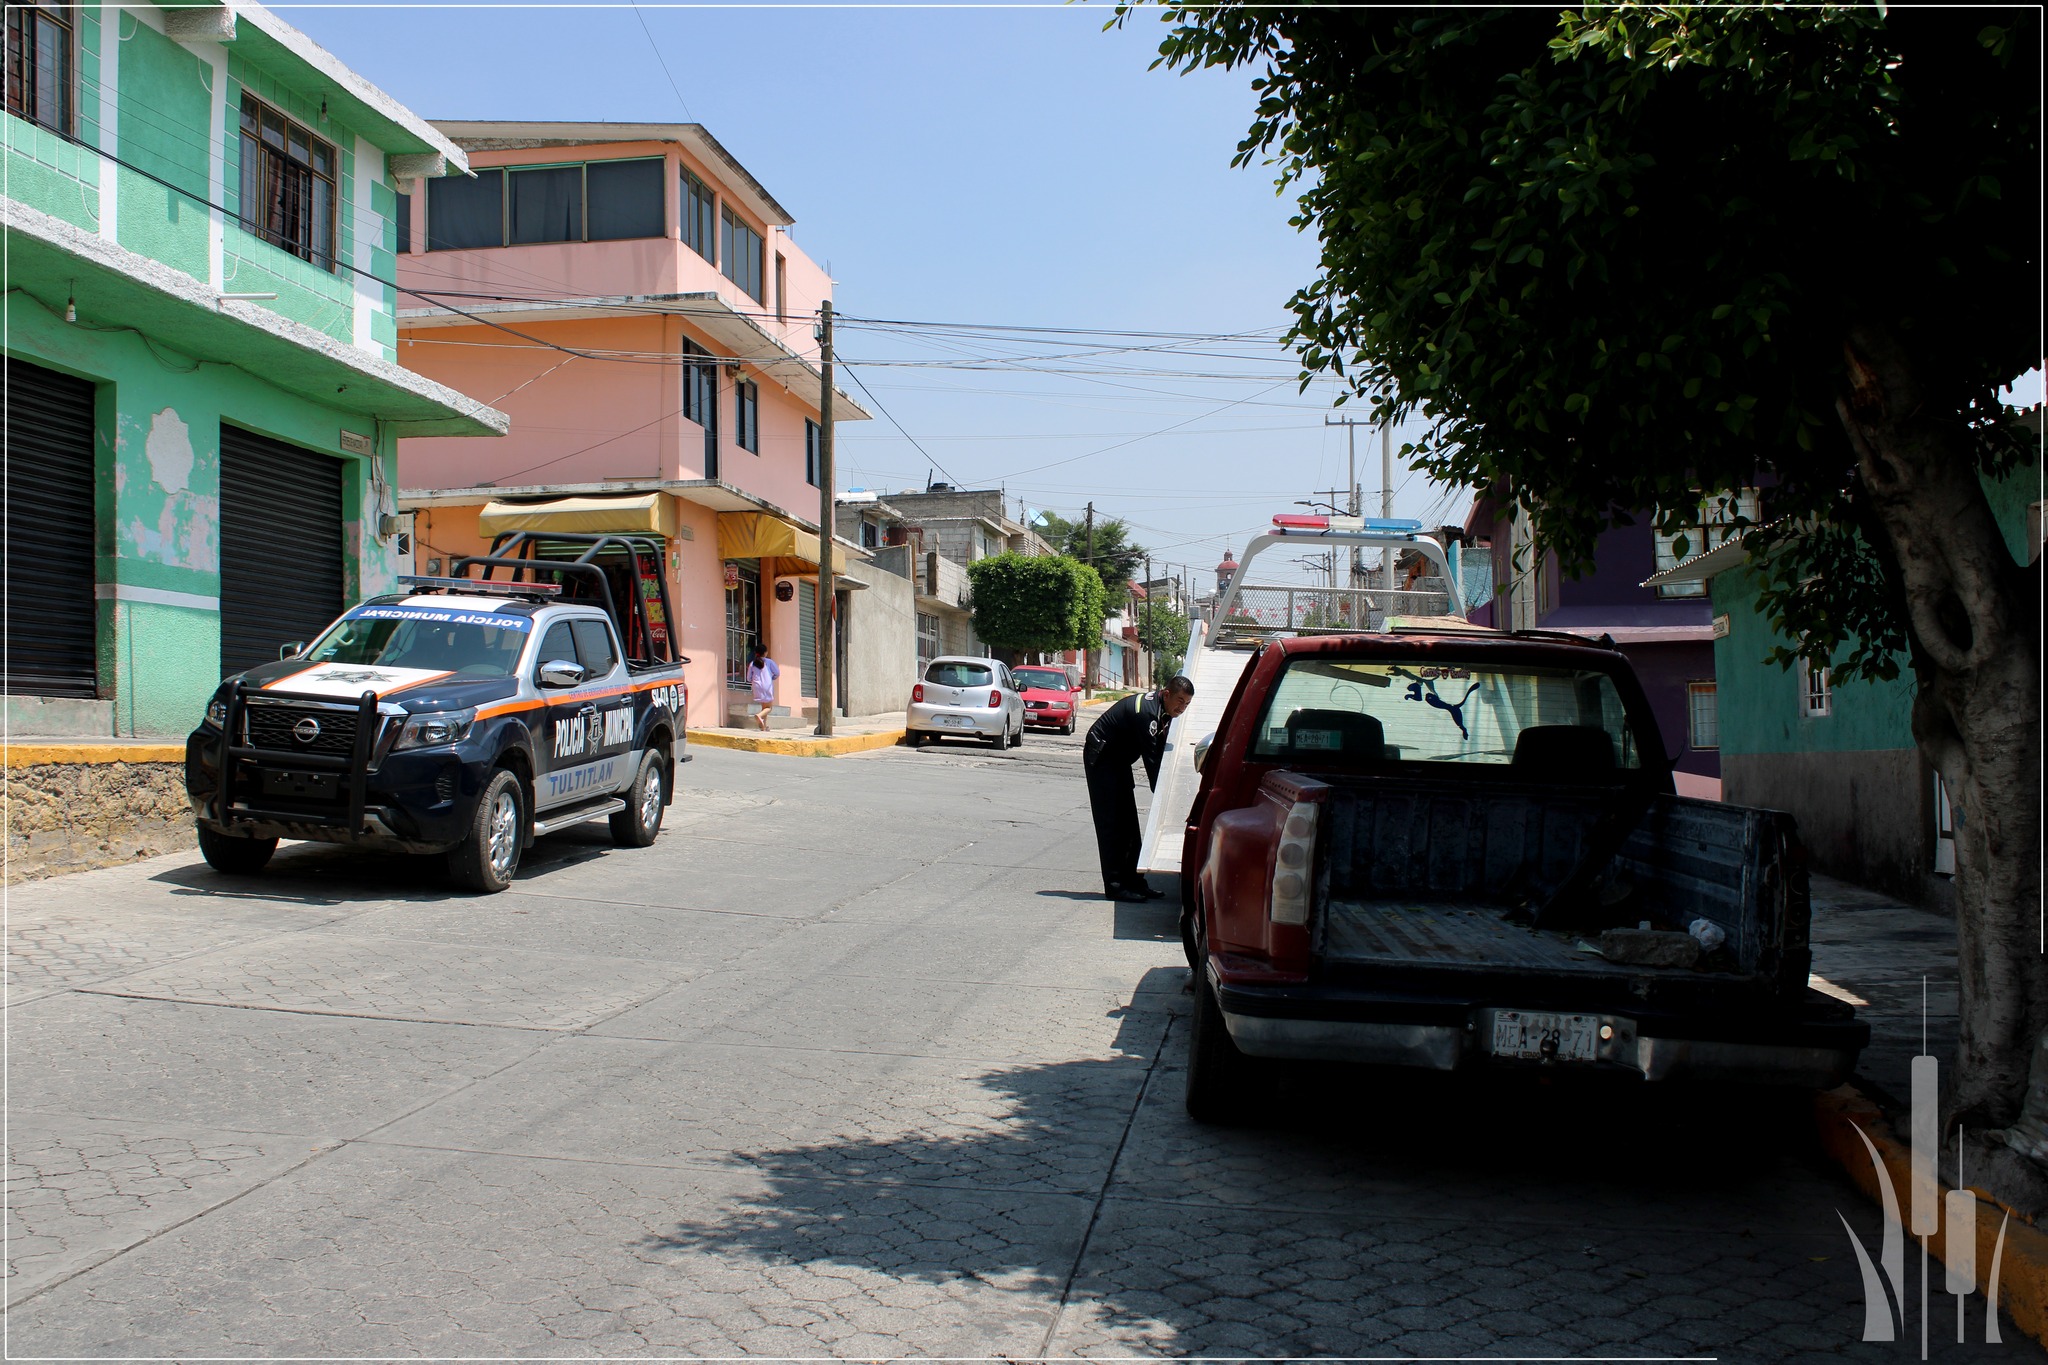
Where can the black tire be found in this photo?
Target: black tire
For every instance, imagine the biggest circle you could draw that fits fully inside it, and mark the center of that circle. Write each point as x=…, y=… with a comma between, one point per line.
x=639, y=823
x=238, y=857
x=488, y=855
x=1017, y=740
x=1068, y=728
x=1001, y=741
x=1223, y=1083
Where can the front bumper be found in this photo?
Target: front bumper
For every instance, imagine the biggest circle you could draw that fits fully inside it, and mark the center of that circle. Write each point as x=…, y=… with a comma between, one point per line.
x=417, y=801
x=1811, y=1043
x=1052, y=716
x=981, y=721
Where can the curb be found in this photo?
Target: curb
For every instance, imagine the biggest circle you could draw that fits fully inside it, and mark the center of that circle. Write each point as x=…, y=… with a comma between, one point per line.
x=72, y=751
x=794, y=748
x=2023, y=1265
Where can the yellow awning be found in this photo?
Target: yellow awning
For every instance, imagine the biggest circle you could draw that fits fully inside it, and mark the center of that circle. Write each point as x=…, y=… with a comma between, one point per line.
x=784, y=549
x=638, y=514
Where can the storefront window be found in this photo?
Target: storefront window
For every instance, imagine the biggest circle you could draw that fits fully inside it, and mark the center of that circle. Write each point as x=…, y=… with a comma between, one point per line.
x=742, y=621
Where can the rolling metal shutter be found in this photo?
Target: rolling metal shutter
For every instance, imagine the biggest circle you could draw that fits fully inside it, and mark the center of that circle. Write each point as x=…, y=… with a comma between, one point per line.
x=50, y=610
x=280, y=546
x=807, y=638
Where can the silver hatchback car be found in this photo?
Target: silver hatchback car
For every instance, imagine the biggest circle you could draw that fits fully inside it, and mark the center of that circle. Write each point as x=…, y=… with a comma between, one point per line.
x=968, y=698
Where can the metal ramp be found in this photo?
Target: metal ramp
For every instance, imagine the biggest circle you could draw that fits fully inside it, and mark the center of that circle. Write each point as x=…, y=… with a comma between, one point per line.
x=1217, y=656
x=1215, y=672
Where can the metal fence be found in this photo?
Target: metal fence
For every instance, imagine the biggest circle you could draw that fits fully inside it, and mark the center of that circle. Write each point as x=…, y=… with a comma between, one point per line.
x=1262, y=611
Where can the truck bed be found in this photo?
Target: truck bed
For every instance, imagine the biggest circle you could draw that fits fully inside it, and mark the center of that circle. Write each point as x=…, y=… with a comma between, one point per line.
x=1423, y=871
x=1459, y=934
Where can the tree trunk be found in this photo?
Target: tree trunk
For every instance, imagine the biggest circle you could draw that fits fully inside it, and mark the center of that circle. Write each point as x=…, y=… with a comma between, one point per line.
x=1973, y=616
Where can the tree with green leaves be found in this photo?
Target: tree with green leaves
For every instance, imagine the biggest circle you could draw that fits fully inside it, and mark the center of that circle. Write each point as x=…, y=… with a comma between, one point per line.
x=1035, y=603
x=1117, y=559
x=1164, y=632
x=1623, y=257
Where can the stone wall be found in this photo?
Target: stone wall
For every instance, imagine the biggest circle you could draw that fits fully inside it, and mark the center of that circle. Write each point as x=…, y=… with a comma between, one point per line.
x=67, y=817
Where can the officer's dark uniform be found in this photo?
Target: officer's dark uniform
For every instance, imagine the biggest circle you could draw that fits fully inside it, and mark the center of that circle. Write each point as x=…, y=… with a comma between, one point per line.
x=1132, y=729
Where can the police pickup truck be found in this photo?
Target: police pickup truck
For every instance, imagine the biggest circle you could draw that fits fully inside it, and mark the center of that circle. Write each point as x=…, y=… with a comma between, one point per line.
x=464, y=717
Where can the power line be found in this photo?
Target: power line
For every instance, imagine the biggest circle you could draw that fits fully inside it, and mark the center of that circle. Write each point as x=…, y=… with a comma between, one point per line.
x=655, y=48
x=896, y=424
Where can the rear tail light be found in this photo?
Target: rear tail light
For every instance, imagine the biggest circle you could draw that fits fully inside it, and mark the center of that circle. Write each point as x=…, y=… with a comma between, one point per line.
x=917, y=692
x=995, y=698
x=1294, y=865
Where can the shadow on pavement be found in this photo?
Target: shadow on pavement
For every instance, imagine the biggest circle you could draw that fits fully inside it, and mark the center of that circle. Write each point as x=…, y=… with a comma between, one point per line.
x=1365, y=1211
x=331, y=874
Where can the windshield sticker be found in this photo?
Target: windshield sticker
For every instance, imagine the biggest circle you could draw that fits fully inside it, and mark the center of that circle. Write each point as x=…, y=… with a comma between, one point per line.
x=1425, y=691
x=350, y=681
x=458, y=618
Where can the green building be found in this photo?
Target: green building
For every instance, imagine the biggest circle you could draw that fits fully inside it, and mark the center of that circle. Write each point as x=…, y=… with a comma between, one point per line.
x=203, y=404
x=1839, y=756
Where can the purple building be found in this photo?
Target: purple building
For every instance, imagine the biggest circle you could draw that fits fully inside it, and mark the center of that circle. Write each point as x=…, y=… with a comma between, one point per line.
x=1667, y=633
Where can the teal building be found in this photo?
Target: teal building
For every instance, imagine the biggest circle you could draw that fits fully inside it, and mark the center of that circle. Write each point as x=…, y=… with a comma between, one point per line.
x=203, y=404
x=1839, y=756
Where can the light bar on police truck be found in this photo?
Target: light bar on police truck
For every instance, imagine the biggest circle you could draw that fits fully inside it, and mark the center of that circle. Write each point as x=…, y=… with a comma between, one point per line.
x=489, y=587
x=1287, y=523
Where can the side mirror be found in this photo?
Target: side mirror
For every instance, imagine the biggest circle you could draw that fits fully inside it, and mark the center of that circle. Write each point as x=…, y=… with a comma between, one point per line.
x=292, y=650
x=560, y=673
x=1202, y=749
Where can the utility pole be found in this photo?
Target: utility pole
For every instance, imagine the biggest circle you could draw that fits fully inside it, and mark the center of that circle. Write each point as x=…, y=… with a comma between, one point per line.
x=1387, y=485
x=1087, y=646
x=1145, y=628
x=828, y=589
x=1351, y=425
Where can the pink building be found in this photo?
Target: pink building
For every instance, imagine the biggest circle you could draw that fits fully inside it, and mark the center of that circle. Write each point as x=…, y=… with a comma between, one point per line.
x=630, y=296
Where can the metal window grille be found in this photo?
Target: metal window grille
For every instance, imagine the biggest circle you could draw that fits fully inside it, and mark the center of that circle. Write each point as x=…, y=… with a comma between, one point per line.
x=929, y=643
x=742, y=624
x=39, y=66
x=1817, y=690
x=287, y=184
x=1704, y=714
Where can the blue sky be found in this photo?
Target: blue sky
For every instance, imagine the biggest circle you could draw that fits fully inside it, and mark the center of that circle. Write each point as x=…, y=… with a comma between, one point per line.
x=1016, y=166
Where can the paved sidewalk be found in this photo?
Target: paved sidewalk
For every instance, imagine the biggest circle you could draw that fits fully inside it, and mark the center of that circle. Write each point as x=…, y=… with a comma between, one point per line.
x=1896, y=963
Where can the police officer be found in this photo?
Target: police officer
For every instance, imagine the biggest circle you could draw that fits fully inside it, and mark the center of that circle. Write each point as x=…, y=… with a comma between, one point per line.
x=1132, y=729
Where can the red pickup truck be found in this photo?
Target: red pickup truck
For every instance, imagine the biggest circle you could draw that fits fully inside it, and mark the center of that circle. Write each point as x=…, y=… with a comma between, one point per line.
x=1452, y=850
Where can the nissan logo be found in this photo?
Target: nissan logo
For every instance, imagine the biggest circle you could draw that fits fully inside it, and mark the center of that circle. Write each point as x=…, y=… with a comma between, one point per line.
x=306, y=731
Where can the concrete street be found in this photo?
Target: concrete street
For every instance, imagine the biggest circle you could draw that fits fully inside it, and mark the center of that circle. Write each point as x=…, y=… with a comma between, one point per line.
x=853, y=1062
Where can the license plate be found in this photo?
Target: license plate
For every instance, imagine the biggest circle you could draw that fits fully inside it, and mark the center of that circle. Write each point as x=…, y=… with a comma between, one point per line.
x=322, y=785
x=957, y=722
x=1523, y=1033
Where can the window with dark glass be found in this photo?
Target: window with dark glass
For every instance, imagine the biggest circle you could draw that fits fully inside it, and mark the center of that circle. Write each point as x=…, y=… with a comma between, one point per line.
x=810, y=452
x=39, y=65
x=700, y=399
x=700, y=218
x=464, y=212
x=781, y=288
x=287, y=184
x=740, y=253
x=547, y=204
x=746, y=415
x=404, y=224
x=625, y=200
x=597, y=201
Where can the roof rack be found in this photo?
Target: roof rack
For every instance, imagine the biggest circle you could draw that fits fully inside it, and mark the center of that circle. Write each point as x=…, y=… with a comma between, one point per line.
x=482, y=587
x=1603, y=640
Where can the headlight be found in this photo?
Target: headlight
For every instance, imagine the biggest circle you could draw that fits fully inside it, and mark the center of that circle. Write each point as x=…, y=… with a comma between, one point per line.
x=435, y=727
x=217, y=712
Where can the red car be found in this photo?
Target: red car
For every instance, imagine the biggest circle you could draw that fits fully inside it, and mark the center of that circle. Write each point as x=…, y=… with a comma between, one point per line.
x=1049, y=697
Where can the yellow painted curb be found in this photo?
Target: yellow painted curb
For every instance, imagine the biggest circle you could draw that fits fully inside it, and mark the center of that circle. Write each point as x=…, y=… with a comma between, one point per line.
x=2023, y=1264
x=796, y=748
x=67, y=751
